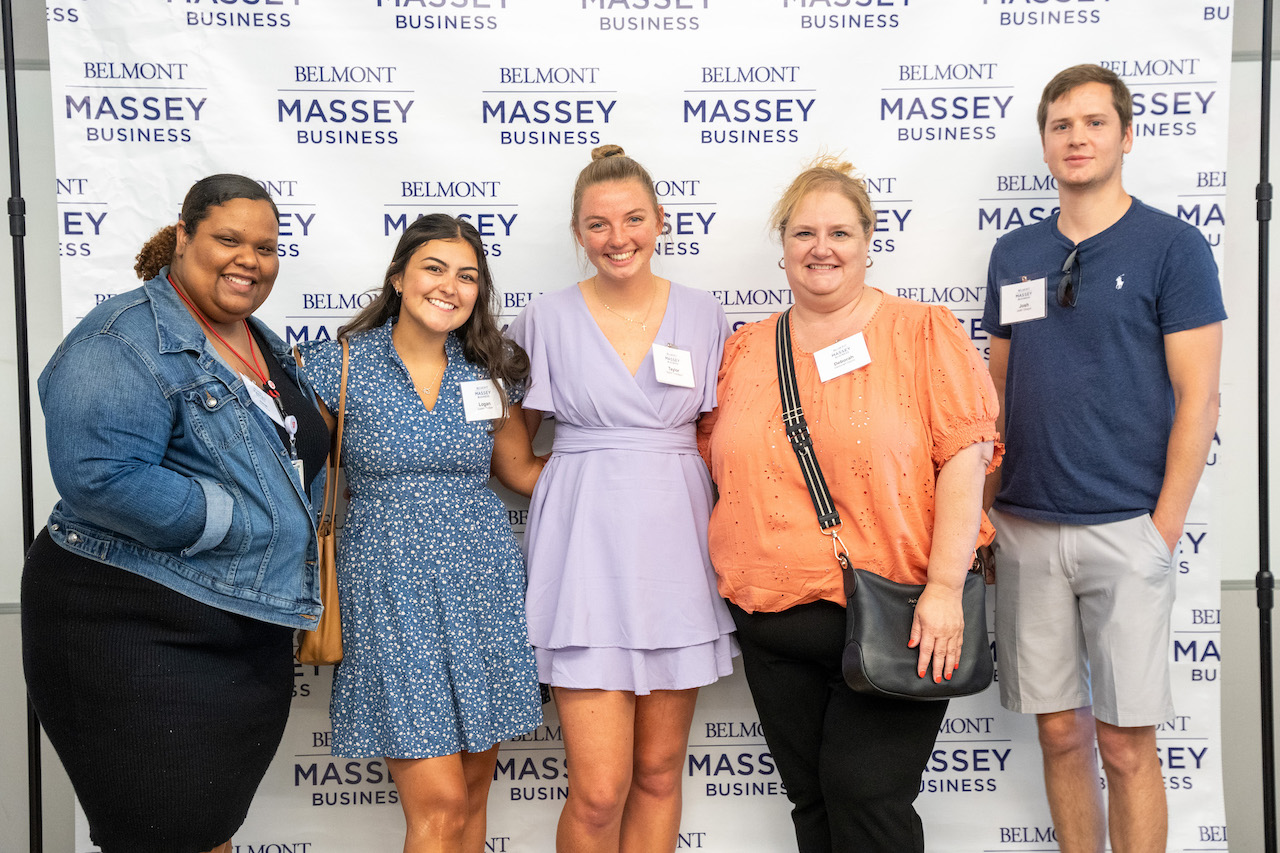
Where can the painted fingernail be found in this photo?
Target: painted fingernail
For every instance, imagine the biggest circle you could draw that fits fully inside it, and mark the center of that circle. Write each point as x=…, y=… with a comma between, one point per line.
x=937, y=680
x=920, y=673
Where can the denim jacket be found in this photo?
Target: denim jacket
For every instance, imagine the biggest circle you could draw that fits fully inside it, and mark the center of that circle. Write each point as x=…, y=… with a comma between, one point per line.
x=166, y=468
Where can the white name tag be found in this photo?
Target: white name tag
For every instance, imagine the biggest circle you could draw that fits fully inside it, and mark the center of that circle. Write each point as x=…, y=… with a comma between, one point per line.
x=673, y=366
x=481, y=400
x=1022, y=301
x=842, y=357
x=263, y=400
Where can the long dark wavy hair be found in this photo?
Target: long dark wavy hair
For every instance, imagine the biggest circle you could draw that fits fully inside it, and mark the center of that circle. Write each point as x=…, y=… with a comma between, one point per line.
x=482, y=342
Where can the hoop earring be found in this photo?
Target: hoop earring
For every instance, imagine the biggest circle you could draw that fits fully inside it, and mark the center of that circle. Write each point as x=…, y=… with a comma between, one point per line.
x=869, y=262
x=781, y=265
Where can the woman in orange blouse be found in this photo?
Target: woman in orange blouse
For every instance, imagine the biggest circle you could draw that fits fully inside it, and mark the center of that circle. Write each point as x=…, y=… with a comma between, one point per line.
x=904, y=442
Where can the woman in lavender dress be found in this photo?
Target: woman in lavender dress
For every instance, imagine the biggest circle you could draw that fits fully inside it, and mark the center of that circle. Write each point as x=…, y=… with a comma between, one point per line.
x=623, y=611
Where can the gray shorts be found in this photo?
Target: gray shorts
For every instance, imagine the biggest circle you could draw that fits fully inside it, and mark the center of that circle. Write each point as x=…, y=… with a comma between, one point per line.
x=1081, y=606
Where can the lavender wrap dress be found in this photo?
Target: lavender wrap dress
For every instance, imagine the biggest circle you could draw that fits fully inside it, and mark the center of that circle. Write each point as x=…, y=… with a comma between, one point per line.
x=622, y=594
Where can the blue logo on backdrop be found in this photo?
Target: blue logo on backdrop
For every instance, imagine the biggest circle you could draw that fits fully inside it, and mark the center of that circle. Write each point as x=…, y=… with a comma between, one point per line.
x=688, y=216
x=1028, y=835
x=365, y=782
x=959, y=763
x=1169, y=110
x=946, y=103
x=1037, y=13
x=297, y=217
x=477, y=201
x=80, y=221
x=303, y=687
x=748, y=773
x=351, y=104
x=965, y=769
x=542, y=734
x=1159, y=67
x=256, y=14
x=674, y=15
x=1212, y=833
x=1181, y=764
x=1205, y=208
x=1018, y=200
x=1168, y=100
x=1199, y=653
x=965, y=301
x=755, y=104
x=748, y=305
x=530, y=776
x=61, y=15
x=305, y=332
x=891, y=214
x=454, y=19
x=532, y=111
x=858, y=14
x=129, y=102
x=735, y=729
x=741, y=769
x=1177, y=723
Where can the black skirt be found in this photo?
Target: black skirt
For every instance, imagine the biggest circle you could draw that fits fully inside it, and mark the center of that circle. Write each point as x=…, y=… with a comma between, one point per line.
x=165, y=712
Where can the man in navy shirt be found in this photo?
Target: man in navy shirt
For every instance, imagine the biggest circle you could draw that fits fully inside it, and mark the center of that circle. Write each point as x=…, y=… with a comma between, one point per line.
x=1106, y=338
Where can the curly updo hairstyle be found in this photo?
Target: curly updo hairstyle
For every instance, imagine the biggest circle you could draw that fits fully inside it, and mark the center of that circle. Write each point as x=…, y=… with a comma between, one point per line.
x=205, y=193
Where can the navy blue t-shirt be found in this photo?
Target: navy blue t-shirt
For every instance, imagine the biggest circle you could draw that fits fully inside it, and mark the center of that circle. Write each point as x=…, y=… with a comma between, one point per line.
x=1088, y=402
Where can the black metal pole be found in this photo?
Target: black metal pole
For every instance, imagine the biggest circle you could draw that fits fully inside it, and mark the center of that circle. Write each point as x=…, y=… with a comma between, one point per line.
x=1265, y=581
x=18, y=231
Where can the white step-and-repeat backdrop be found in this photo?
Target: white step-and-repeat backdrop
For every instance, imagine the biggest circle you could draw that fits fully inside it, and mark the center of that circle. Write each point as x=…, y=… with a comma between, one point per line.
x=361, y=115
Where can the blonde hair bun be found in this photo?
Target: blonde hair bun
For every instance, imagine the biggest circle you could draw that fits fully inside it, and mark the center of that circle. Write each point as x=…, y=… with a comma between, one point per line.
x=603, y=151
x=609, y=163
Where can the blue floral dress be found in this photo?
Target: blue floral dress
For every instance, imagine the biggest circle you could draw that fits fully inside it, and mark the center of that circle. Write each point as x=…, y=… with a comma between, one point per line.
x=430, y=578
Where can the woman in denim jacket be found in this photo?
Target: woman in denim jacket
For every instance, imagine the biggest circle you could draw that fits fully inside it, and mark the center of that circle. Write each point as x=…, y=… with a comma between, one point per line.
x=158, y=604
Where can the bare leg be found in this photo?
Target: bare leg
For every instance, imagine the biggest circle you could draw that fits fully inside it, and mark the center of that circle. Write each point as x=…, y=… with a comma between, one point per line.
x=599, y=729
x=1071, y=780
x=433, y=794
x=651, y=819
x=477, y=767
x=1136, y=800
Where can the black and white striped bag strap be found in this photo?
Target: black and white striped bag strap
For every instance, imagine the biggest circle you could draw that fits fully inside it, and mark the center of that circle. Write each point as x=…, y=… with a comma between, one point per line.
x=798, y=432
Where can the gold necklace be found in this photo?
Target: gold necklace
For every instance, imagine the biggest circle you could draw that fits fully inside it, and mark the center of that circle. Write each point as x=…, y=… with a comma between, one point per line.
x=426, y=389
x=643, y=322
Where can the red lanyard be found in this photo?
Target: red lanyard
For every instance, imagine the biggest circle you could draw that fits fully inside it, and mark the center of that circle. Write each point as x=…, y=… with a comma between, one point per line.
x=258, y=371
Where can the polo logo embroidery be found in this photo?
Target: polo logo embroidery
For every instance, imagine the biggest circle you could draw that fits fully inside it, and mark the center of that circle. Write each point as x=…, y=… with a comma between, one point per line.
x=1119, y=282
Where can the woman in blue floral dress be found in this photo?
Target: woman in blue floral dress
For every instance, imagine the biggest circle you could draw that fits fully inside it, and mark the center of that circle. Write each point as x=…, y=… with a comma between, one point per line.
x=437, y=667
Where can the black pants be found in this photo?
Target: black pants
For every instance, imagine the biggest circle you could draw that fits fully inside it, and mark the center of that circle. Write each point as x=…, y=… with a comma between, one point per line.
x=851, y=763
